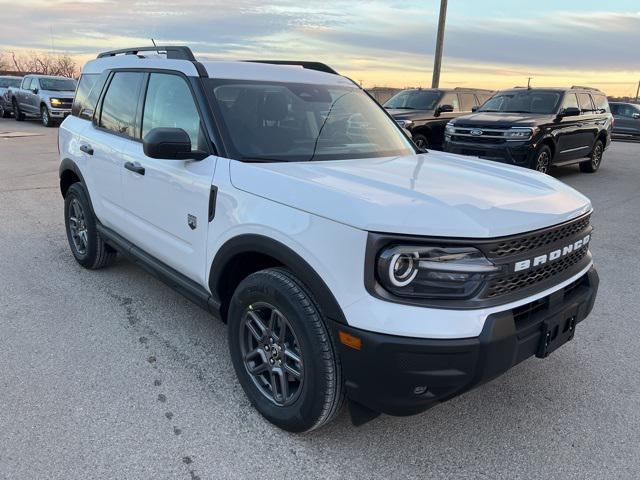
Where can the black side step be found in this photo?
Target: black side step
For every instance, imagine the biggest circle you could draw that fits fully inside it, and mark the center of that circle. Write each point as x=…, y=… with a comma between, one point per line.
x=183, y=285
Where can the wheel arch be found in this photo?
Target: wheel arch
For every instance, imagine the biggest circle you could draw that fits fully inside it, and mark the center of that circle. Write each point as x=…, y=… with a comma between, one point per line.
x=548, y=141
x=249, y=253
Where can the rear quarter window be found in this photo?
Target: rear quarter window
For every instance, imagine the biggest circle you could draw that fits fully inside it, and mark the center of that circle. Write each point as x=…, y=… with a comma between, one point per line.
x=87, y=95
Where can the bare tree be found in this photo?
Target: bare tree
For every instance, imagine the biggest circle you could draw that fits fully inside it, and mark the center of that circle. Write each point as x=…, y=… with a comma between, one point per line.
x=44, y=64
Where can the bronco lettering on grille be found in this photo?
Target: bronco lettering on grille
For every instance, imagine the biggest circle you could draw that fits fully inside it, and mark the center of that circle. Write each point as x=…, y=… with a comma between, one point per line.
x=550, y=257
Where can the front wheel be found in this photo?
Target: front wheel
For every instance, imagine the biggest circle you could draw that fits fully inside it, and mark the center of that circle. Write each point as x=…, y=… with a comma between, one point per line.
x=282, y=351
x=595, y=159
x=47, y=121
x=421, y=141
x=542, y=160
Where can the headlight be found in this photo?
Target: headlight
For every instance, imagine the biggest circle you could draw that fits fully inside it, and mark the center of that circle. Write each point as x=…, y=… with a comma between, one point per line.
x=55, y=102
x=433, y=271
x=520, y=133
x=405, y=123
x=449, y=129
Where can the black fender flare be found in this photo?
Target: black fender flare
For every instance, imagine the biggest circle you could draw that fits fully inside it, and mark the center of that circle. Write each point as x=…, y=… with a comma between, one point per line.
x=69, y=165
x=260, y=244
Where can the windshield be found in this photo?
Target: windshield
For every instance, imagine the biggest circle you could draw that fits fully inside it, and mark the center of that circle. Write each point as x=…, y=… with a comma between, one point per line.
x=269, y=121
x=525, y=101
x=9, y=82
x=414, y=100
x=58, y=84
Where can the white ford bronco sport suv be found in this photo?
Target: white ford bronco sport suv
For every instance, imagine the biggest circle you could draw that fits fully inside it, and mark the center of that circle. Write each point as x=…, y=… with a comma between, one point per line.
x=347, y=264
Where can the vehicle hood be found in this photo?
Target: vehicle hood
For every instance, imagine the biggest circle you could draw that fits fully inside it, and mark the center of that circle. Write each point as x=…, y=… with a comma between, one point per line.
x=434, y=194
x=502, y=120
x=57, y=93
x=409, y=114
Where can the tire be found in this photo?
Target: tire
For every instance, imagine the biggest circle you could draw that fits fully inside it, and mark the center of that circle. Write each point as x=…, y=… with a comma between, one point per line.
x=88, y=248
x=541, y=161
x=47, y=121
x=421, y=141
x=595, y=159
x=315, y=396
x=4, y=113
x=17, y=114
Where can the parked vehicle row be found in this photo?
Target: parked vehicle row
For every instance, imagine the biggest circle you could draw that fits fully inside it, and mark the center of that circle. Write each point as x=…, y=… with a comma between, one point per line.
x=41, y=96
x=346, y=262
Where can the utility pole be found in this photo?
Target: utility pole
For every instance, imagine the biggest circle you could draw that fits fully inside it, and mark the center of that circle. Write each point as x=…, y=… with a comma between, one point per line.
x=437, y=61
x=638, y=91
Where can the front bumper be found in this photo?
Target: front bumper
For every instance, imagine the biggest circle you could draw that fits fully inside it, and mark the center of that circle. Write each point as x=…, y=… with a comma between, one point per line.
x=514, y=153
x=59, y=112
x=404, y=376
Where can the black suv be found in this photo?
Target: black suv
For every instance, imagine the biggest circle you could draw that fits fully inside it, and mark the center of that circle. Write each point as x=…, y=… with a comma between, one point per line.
x=627, y=119
x=424, y=112
x=536, y=128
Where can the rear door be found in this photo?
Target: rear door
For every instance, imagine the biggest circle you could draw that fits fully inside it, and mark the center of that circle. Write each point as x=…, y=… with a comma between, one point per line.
x=114, y=125
x=167, y=201
x=589, y=128
x=25, y=94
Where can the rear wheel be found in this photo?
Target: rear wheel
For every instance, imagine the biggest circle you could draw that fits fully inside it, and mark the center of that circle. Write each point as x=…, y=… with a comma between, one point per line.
x=542, y=160
x=88, y=248
x=593, y=164
x=282, y=351
x=17, y=113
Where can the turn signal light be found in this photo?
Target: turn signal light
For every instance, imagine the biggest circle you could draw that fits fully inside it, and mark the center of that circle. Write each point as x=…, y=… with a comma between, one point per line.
x=350, y=340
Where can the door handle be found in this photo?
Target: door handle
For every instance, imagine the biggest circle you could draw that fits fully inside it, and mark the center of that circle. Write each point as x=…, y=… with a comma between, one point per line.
x=86, y=149
x=134, y=167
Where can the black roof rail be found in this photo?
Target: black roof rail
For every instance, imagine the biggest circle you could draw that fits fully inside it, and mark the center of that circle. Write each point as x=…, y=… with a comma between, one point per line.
x=320, y=67
x=581, y=87
x=473, y=89
x=173, y=52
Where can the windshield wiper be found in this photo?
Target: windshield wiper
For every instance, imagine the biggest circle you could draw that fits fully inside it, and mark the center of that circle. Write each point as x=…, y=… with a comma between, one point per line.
x=263, y=159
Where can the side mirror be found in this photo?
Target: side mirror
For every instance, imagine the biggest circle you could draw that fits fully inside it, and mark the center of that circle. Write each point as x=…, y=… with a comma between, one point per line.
x=569, y=112
x=170, y=144
x=474, y=108
x=636, y=115
x=35, y=91
x=445, y=108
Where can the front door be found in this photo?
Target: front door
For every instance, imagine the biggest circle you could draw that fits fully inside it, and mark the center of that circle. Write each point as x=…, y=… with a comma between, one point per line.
x=167, y=201
x=567, y=131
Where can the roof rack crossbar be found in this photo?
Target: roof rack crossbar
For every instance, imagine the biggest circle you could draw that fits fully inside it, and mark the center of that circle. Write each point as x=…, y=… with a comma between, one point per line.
x=173, y=52
x=318, y=66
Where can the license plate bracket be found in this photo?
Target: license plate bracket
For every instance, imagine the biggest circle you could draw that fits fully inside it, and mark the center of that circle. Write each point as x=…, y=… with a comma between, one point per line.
x=556, y=331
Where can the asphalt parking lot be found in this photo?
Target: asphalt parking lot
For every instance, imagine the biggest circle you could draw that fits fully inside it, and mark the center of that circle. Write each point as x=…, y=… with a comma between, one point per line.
x=110, y=374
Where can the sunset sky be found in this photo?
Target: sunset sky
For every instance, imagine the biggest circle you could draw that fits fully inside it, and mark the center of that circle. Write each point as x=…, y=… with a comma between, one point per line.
x=488, y=43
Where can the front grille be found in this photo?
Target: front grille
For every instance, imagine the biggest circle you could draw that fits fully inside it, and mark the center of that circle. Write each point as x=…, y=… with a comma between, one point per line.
x=517, y=281
x=537, y=240
x=478, y=140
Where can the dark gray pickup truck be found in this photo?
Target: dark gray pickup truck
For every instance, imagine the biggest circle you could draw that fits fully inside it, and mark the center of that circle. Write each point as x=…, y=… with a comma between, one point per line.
x=43, y=96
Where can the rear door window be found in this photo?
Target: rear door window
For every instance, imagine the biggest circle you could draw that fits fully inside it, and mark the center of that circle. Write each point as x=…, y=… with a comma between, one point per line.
x=467, y=101
x=120, y=103
x=584, y=99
